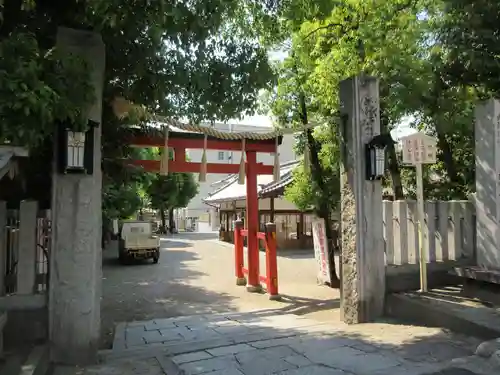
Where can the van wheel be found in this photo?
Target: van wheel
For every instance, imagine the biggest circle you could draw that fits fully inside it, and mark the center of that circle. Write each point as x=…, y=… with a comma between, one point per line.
x=122, y=259
x=156, y=257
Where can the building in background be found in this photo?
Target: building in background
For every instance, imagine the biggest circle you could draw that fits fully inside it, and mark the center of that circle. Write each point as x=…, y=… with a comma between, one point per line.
x=199, y=216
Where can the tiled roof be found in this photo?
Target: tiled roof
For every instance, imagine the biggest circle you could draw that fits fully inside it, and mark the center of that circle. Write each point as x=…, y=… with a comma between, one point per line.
x=233, y=191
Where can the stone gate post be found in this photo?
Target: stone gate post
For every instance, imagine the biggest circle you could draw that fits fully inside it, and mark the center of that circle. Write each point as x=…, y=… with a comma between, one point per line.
x=75, y=263
x=487, y=197
x=362, y=261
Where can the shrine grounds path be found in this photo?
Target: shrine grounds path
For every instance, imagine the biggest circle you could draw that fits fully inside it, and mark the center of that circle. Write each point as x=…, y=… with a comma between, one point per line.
x=185, y=315
x=195, y=275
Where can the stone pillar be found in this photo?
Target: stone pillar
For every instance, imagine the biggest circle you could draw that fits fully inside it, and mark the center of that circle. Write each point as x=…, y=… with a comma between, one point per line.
x=487, y=198
x=75, y=264
x=26, y=266
x=363, y=263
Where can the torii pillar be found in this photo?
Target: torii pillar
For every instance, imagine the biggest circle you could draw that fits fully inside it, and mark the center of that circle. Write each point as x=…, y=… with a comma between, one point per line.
x=76, y=254
x=252, y=209
x=362, y=260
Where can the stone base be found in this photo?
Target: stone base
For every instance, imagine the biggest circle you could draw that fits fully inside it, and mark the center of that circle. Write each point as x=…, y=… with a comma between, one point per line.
x=254, y=288
x=488, y=348
x=241, y=281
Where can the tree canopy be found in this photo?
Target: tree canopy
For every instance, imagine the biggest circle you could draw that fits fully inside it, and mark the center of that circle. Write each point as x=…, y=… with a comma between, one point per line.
x=434, y=60
x=179, y=59
x=207, y=59
x=431, y=75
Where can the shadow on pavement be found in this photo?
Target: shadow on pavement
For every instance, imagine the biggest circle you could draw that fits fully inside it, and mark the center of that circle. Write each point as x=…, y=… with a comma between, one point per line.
x=268, y=342
x=145, y=291
x=265, y=342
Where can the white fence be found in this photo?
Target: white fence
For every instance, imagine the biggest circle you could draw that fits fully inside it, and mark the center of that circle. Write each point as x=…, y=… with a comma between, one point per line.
x=449, y=231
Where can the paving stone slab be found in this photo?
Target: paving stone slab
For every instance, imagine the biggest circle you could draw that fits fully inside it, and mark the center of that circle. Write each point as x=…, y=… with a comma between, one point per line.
x=314, y=343
x=227, y=372
x=431, y=352
x=367, y=363
x=164, y=323
x=188, y=335
x=313, y=370
x=415, y=369
x=168, y=366
x=154, y=337
x=259, y=344
x=265, y=366
x=232, y=371
x=191, y=357
x=244, y=344
x=232, y=349
x=298, y=360
x=209, y=365
x=333, y=357
x=232, y=330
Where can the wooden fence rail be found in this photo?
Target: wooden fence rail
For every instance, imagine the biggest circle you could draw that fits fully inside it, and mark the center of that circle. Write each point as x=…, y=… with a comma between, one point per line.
x=449, y=231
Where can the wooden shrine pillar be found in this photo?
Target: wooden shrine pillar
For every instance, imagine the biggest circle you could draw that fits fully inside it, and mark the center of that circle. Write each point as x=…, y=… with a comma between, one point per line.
x=252, y=213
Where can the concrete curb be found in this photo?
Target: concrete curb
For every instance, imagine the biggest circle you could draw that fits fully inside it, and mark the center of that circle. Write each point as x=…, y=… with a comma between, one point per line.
x=38, y=362
x=34, y=362
x=411, y=309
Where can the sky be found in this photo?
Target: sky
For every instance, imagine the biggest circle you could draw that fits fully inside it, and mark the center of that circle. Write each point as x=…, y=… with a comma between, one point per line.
x=401, y=130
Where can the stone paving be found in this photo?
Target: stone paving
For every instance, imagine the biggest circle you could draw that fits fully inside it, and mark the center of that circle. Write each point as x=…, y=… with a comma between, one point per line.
x=261, y=343
x=187, y=317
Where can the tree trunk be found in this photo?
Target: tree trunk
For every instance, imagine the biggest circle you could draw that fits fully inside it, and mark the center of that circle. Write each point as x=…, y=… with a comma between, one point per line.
x=335, y=281
x=163, y=220
x=393, y=165
x=446, y=157
x=171, y=221
x=395, y=171
x=318, y=181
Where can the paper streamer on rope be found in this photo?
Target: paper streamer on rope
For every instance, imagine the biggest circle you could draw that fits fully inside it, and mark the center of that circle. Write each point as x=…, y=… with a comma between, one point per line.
x=203, y=167
x=165, y=156
x=276, y=169
x=241, y=175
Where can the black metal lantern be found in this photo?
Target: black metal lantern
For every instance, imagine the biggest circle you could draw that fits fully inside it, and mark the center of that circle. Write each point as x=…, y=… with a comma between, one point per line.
x=375, y=156
x=75, y=149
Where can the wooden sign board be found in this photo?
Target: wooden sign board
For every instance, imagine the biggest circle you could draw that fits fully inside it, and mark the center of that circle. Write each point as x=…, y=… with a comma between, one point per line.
x=419, y=148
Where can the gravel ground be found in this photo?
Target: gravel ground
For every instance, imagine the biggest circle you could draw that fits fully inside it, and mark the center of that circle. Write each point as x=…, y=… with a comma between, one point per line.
x=195, y=275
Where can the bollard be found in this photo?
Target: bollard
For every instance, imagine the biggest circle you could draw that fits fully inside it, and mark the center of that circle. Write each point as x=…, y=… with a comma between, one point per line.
x=271, y=262
x=238, y=254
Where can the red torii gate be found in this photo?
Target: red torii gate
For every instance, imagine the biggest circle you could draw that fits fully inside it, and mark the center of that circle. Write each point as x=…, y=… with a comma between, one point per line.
x=181, y=141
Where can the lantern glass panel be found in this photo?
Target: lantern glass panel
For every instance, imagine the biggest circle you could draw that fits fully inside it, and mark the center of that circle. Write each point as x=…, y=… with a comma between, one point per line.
x=380, y=161
x=76, y=150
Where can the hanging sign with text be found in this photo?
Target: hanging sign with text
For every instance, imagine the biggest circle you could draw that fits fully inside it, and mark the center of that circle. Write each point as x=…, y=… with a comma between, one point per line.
x=419, y=148
x=321, y=251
